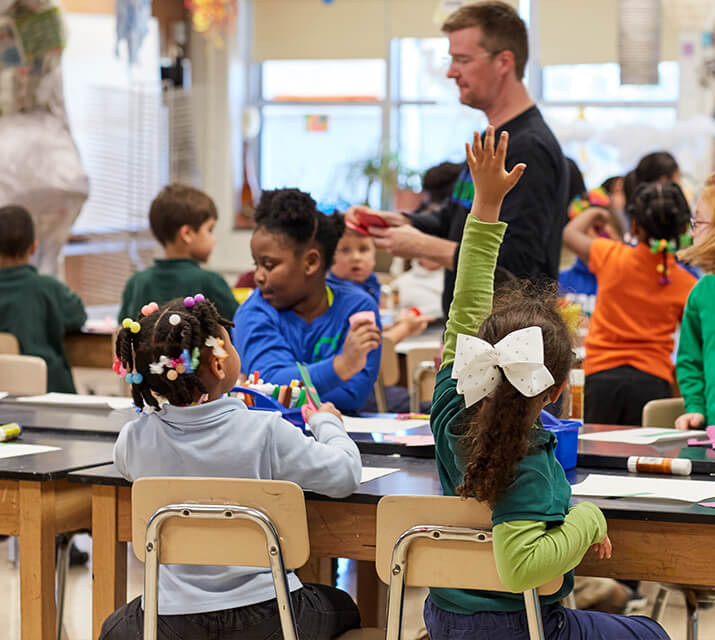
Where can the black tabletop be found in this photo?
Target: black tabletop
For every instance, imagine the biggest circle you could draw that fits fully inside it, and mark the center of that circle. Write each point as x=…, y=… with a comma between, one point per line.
x=417, y=476
x=51, y=418
x=75, y=451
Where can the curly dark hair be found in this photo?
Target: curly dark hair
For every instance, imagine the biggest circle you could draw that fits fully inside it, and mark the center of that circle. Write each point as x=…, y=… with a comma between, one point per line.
x=661, y=210
x=158, y=337
x=497, y=429
x=652, y=167
x=293, y=214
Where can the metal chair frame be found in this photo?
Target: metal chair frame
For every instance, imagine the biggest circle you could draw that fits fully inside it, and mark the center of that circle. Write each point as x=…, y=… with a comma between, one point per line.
x=396, y=591
x=214, y=512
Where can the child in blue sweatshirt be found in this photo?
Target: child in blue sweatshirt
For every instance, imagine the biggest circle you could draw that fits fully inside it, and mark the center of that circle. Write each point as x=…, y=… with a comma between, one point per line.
x=294, y=316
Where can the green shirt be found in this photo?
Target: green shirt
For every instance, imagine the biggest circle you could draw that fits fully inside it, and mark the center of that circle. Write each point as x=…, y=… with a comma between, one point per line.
x=537, y=537
x=39, y=310
x=696, y=351
x=173, y=278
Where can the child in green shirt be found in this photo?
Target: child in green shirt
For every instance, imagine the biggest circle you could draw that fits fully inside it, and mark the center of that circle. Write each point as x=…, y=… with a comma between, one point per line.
x=38, y=310
x=696, y=350
x=182, y=219
x=500, y=367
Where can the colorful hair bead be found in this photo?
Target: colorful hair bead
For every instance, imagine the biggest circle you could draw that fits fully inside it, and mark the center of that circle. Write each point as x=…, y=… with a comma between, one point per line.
x=189, y=302
x=117, y=366
x=199, y=297
x=127, y=322
x=134, y=327
x=186, y=361
x=174, y=319
x=195, y=353
x=149, y=308
x=134, y=378
x=172, y=375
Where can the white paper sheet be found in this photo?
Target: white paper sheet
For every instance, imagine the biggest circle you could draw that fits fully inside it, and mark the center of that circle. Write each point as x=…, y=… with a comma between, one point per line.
x=641, y=435
x=379, y=425
x=370, y=473
x=15, y=449
x=3, y=394
x=79, y=401
x=686, y=490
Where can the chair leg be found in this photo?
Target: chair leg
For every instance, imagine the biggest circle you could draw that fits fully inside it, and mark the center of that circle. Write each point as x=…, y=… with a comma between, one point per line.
x=533, y=615
x=691, y=605
x=661, y=600
x=63, y=561
x=570, y=601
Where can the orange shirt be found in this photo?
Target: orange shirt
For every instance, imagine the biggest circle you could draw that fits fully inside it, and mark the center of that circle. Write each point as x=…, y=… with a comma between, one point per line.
x=635, y=317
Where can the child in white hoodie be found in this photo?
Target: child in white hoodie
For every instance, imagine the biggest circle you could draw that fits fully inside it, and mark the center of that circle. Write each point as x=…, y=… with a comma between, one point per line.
x=180, y=362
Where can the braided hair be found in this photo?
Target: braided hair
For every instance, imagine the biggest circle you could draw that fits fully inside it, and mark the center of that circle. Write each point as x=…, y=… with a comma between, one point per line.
x=293, y=213
x=161, y=335
x=661, y=210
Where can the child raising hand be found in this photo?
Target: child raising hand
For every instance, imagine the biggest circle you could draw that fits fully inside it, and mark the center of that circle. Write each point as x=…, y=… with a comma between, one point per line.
x=500, y=367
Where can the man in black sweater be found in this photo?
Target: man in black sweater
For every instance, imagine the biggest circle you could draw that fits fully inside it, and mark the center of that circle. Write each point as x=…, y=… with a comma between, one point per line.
x=488, y=45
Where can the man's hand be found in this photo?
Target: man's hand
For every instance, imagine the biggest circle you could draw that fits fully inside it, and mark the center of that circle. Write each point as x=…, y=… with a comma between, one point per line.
x=690, y=421
x=404, y=241
x=362, y=338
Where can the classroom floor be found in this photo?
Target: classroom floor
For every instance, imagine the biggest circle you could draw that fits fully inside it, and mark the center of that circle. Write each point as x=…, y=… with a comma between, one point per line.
x=77, y=623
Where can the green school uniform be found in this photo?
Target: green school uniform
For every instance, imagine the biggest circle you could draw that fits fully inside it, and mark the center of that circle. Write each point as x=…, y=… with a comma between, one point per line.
x=171, y=278
x=696, y=350
x=537, y=536
x=39, y=310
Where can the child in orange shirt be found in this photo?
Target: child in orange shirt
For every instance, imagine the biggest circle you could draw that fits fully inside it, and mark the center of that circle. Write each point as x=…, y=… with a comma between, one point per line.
x=641, y=296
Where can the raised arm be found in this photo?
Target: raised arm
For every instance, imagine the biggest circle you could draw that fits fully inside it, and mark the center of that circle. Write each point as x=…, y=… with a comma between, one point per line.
x=576, y=236
x=483, y=233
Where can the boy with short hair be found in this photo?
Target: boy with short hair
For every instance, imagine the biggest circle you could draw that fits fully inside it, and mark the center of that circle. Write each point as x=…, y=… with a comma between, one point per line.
x=182, y=219
x=37, y=309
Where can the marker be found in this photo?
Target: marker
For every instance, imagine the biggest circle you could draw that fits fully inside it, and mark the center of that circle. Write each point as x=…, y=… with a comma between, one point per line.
x=276, y=392
x=413, y=416
x=10, y=431
x=255, y=377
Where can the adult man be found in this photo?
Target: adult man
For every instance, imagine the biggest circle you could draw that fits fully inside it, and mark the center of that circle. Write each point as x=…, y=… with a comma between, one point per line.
x=488, y=45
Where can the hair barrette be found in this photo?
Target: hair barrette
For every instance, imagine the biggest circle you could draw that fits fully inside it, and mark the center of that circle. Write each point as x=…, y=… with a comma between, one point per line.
x=216, y=346
x=174, y=319
x=190, y=301
x=149, y=308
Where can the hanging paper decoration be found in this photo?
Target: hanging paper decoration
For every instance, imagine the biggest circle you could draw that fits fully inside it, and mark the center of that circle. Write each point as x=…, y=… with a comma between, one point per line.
x=132, y=25
x=212, y=17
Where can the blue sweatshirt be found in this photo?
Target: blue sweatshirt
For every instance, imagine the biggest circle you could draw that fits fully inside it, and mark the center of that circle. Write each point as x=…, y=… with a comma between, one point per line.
x=370, y=286
x=272, y=341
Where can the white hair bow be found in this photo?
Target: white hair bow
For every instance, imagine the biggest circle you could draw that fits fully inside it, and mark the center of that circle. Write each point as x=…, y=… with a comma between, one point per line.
x=520, y=355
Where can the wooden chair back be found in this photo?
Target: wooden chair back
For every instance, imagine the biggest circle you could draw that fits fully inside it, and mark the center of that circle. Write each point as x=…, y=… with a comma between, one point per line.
x=436, y=562
x=663, y=412
x=9, y=344
x=230, y=542
x=22, y=375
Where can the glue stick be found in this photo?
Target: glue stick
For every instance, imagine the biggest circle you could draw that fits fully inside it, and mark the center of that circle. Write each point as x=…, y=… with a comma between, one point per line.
x=673, y=466
x=576, y=382
x=10, y=431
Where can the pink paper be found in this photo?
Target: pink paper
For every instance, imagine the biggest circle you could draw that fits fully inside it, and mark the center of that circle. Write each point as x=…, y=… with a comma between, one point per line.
x=707, y=504
x=411, y=441
x=704, y=443
x=362, y=315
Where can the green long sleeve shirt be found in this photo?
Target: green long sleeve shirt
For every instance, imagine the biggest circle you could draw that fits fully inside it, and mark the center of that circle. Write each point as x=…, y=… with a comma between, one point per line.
x=173, y=278
x=695, y=365
x=39, y=310
x=537, y=535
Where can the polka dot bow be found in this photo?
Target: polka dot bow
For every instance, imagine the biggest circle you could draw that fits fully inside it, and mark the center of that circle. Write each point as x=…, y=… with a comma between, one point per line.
x=478, y=366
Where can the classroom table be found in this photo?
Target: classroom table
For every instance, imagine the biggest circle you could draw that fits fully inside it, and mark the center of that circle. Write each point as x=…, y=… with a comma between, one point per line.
x=652, y=540
x=37, y=502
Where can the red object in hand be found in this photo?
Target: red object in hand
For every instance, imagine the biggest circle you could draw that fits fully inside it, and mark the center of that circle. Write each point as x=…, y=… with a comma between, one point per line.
x=365, y=220
x=415, y=311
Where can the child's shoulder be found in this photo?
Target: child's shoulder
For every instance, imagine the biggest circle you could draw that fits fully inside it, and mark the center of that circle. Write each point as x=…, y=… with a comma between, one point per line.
x=704, y=289
x=346, y=294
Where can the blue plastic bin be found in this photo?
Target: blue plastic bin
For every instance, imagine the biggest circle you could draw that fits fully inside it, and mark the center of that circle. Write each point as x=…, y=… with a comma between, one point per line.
x=267, y=403
x=566, y=432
